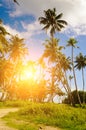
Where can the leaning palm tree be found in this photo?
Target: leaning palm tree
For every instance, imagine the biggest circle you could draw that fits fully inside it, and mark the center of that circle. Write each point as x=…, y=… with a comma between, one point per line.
x=2, y=29
x=80, y=65
x=5, y=74
x=66, y=65
x=72, y=42
x=4, y=44
x=18, y=49
x=53, y=53
x=52, y=21
x=17, y=53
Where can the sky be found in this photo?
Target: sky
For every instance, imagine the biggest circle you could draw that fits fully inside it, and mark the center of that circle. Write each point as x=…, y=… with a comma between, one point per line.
x=23, y=20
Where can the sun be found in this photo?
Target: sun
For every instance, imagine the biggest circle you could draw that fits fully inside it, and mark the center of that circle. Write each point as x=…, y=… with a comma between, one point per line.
x=28, y=73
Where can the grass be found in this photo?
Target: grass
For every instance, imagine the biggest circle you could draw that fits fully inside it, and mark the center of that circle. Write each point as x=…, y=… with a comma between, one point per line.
x=16, y=103
x=59, y=115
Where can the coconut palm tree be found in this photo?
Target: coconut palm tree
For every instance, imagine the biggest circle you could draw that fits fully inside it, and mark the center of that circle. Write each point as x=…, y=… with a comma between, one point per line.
x=2, y=29
x=72, y=42
x=5, y=74
x=17, y=53
x=70, y=78
x=52, y=21
x=4, y=44
x=53, y=53
x=52, y=50
x=65, y=63
x=80, y=65
x=18, y=49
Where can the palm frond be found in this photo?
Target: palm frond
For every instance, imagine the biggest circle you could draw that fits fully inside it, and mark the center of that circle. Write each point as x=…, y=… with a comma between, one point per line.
x=63, y=22
x=59, y=16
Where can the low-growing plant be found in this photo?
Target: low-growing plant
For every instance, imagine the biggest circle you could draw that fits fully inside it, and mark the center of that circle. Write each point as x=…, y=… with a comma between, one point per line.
x=59, y=115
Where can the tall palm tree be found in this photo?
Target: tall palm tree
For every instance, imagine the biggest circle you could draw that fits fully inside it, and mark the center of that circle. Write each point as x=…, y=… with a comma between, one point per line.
x=52, y=21
x=2, y=29
x=5, y=74
x=72, y=42
x=18, y=49
x=4, y=44
x=53, y=53
x=52, y=50
x=70, y=78
x=65, y=63
x=80, y=65
x=17, y=53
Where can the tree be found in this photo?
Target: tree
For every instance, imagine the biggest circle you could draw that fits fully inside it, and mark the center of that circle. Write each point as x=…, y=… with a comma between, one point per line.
x=53, y=53
x=18, y=49
x=72, y=42
x=65, y=63
x=2, y=29
x=74, y=94
x=80, y=65
x=52, y=21
x=4, y=44
x=17, y=53
x=5, y=74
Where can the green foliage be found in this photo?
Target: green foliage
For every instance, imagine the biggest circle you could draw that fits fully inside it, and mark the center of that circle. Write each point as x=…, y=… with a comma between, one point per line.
x=62, y=116
x=52, y=21
x=75, y=98
x=17, y=103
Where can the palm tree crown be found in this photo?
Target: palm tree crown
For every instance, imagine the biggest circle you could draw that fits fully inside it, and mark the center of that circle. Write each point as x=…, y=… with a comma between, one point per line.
x=80, y=61
x=17, y=49
x=52, y=21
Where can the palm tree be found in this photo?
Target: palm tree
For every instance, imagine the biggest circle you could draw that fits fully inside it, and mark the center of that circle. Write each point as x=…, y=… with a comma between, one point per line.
x=2, y=29
x=5, y=74
x=18, y=49
x=70, y=78
x=72, y=42
x=52, y=21
x=53, y=53
x=17, y=53
x=52, y=50
x=65, y=63
x=4, y=44
x=80, y=65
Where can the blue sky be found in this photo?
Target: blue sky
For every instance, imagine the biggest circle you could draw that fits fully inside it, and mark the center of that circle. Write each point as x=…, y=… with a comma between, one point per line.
x=23, y=20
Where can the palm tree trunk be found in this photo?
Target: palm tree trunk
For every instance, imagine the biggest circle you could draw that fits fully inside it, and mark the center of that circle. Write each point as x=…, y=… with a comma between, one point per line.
x=75, y=78
x=71, y=100
x=83, y=86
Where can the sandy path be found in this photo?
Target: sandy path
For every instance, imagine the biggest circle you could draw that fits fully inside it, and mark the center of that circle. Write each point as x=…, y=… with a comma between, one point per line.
x=3, y=125
x=4, y=112
x=49, y=128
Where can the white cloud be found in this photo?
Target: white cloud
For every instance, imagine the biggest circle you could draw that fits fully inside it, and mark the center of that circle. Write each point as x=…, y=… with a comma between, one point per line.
x=11, y=30
x=33, y=44
x=74, y=10
x=30, y=30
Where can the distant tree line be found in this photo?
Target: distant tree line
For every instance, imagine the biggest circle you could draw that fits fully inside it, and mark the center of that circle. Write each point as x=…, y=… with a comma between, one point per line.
x=75, y=97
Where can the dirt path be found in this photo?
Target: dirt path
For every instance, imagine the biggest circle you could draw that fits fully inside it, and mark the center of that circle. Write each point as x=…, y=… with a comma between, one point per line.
x=3, y=125
x=49, y=128
x=4, y=112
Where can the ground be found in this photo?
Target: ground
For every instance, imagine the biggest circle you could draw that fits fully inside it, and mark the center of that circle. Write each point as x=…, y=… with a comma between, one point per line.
x=3, y=125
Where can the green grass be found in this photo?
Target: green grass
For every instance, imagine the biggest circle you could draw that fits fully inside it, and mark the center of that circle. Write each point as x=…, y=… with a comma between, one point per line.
x=59, y=115
x=16, y=103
